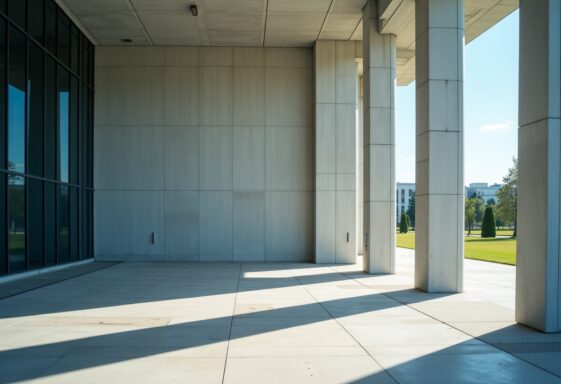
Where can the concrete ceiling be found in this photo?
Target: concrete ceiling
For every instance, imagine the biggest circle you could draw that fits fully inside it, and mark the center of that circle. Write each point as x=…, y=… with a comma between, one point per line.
x=274, y=23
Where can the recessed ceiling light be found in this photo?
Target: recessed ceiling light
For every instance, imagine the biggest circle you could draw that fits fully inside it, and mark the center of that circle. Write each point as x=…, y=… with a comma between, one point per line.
x=194, y=10
x=126, y=40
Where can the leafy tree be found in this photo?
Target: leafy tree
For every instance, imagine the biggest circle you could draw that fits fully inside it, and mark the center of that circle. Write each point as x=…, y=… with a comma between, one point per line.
x=488, y=228
x=411, y=211
x=508, y=197
x=498, y=220
x=403, y=227
x=491, y=202
x=479, y=206
x=470, y=214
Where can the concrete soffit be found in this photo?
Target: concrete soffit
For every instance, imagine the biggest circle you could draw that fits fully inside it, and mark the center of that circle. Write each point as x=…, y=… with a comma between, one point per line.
x=265, y=23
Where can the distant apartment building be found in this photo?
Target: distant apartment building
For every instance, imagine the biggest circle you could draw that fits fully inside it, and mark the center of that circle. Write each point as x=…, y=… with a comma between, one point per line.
x=404, y=193
x=487, y=192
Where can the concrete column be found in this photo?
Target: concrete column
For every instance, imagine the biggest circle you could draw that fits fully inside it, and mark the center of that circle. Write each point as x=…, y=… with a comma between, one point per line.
x=379, y=80
x=538, y=264
x=439, y=224
x=335, y=144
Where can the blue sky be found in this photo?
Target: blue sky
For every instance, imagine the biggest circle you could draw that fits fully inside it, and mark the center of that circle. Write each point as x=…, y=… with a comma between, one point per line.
x=490, y=108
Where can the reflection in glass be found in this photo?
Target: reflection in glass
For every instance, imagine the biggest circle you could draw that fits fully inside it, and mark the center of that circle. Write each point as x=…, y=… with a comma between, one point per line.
x=74, y=249
x=63, y=34
x=63, y=121
x=16, y=12
x=16, y=223
x=50, y=26
x=45, y=137
x=35, y=19
x=63, y=224
x=3, y=58
x=84, y=134
x=35, y=223
x=73, y=130
x=16, y=101
x=89, y=182
x=50, y=119
x=35, y=86
x=50, y=223
x=74, y=50
x=84, y=228
x=3, y=229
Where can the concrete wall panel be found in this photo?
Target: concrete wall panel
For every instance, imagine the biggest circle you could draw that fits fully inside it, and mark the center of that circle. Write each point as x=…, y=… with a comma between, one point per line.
x=335, y=149
x=130, y=56
x=216, y=96
x=129, y=157
x=215, y=221
x=129, y=96
x=346, y=138
x=182, y=225
x=249, y=226
x=249, y=57
x=216, y=56
x=289, y=226
x=289, y=159
x=124, y=222
x=182, y=157
x=288, y=57
x=345, y=72
x=196, y=145
x=182, y=96
x=288, y=96
x=325, y=138
x=249, y=158
x=325, y=234
x=215, y=158
x=249, y=96
x=180, y=56
x=345, y=235
x=325, y=71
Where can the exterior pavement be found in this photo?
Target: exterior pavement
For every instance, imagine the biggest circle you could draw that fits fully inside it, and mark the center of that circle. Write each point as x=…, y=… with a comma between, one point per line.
x=270, y=323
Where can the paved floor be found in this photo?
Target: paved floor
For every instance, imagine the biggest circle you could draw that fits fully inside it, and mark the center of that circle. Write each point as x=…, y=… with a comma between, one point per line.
x=270, y=323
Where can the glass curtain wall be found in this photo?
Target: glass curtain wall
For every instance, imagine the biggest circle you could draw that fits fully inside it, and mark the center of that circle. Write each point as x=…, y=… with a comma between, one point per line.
x=46, y=137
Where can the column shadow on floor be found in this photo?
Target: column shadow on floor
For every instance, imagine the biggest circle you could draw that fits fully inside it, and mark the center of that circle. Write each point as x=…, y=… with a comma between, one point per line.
x=474, y=360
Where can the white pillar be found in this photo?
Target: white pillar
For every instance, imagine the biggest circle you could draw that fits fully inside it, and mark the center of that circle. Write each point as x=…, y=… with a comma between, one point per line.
x=439, y=217
x=538, y=254
x=335, y=144
x=379, y=145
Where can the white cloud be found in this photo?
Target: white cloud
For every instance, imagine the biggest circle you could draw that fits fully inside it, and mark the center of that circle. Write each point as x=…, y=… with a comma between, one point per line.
x=497, y=127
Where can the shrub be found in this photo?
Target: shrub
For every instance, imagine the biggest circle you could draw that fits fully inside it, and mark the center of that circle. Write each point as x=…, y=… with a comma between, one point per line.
x=403, y=223
x=488, y=228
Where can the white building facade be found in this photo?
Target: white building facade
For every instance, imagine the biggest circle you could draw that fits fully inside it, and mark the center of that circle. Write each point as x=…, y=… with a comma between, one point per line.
x=484, y=190
x=403, y=195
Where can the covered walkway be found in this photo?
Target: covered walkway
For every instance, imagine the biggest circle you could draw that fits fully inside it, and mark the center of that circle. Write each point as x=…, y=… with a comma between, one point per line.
x=263, y=322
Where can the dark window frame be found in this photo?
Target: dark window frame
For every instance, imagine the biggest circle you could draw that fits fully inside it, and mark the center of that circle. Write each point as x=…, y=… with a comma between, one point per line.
x=79, y=68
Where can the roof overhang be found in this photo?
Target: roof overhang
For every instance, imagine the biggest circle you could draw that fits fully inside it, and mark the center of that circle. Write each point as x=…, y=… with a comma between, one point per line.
x=270, y=23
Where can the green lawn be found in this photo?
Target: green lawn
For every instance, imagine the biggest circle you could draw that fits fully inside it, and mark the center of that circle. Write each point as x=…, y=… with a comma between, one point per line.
x=500, y=232
x=17, y=243
x=494, y=250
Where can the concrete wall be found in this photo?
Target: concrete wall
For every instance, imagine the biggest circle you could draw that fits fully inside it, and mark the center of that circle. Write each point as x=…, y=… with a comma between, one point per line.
x=210, y=149
x=335, y=149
